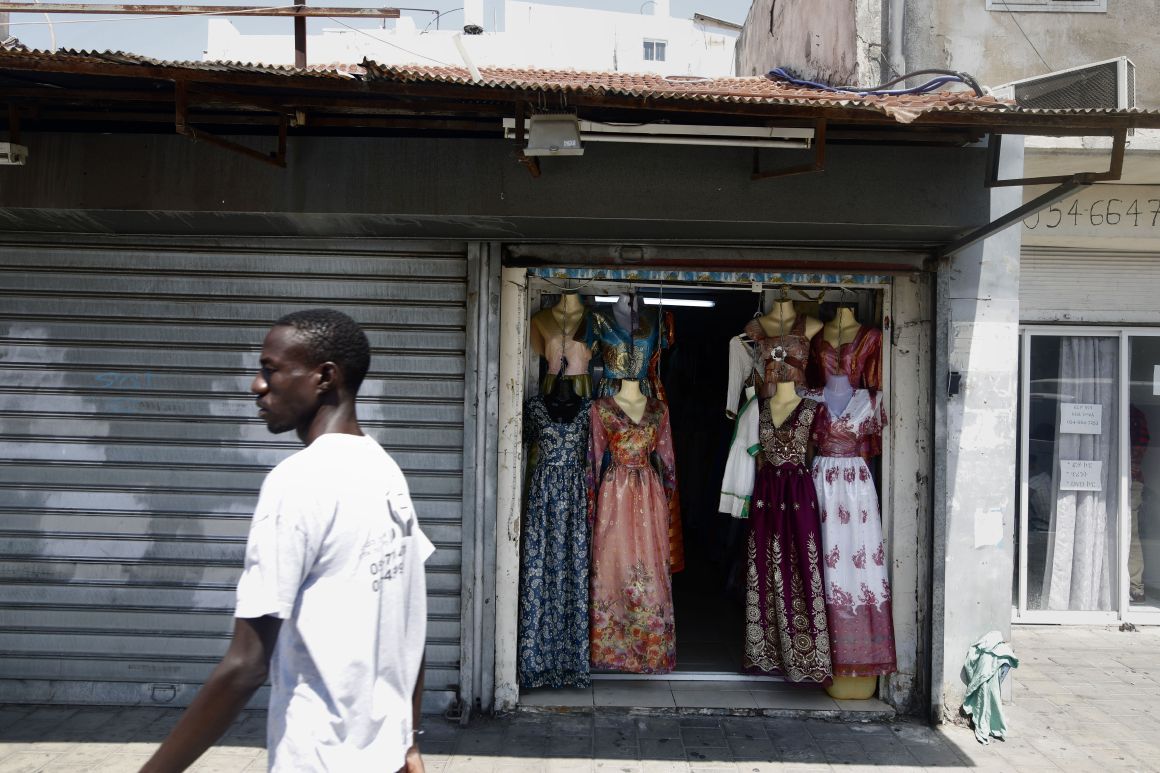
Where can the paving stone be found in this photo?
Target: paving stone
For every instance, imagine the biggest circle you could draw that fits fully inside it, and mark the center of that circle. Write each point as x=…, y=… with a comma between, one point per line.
x=662, y=749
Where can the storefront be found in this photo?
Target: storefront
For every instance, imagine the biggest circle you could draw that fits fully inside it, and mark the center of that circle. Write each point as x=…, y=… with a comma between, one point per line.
x=142, y=268
x=1089, y=536
x=705, y=309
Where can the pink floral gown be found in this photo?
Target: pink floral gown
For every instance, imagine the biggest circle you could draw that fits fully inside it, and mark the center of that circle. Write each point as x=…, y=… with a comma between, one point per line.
x=854, y=552
x=631, y=595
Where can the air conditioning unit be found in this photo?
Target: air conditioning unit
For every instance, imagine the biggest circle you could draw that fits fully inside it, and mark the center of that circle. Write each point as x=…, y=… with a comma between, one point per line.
x=1109, y=84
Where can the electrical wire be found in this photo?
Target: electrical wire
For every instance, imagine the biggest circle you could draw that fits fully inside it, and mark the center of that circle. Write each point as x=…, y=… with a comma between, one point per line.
x=239, y=12
x=389, y=43
x=1020, y=28
x=437, y=17
x=945, y=77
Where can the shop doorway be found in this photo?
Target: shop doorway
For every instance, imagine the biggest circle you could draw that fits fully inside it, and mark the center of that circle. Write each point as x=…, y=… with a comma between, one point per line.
x=708, y=594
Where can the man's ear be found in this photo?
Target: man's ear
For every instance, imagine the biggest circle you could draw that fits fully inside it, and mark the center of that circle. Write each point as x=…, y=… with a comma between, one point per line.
x=329, y=377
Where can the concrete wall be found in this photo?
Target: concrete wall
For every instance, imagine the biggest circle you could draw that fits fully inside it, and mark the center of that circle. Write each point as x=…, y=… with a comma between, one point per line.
x=832, y=41
x=989, y=45
x=976, y=335
x=849, y=42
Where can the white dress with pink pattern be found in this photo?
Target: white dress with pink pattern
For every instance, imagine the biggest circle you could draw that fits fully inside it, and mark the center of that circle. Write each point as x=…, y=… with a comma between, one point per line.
x=856, y=578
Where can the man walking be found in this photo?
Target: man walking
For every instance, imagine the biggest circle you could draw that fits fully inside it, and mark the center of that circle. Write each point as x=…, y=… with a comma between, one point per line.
x=332, y=603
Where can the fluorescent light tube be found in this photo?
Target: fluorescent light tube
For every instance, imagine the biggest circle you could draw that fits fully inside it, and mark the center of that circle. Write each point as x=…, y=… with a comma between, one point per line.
x=607, y=298
x=692, y=302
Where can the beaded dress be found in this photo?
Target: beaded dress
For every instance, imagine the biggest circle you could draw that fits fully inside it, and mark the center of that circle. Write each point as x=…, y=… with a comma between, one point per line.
x=786, y=630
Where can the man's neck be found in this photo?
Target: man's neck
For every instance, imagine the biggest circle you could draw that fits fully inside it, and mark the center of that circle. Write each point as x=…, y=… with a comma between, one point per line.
x=331, y=419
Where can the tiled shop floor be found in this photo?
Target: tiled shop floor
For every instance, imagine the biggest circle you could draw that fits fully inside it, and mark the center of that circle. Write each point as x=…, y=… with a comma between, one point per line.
x=754, y=696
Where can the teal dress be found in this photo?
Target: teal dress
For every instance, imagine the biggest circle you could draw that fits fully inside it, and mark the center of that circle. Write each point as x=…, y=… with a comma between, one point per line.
x=631, y=357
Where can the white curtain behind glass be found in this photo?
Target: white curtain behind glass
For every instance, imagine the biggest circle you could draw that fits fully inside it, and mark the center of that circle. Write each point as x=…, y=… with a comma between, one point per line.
x=1081, y=556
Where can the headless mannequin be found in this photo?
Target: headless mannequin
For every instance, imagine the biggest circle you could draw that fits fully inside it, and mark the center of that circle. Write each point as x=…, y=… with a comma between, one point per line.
x=837, y=393
x=783, y=402
x=561, y=320
x=622, y=312
x=562, y=402
x=843, y=328
x=630, y=399
x=779, y=319
x=840, y=330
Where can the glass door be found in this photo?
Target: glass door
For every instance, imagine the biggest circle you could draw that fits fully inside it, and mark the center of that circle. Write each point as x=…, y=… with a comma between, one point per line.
x=1088, y=538
x=1143, y=553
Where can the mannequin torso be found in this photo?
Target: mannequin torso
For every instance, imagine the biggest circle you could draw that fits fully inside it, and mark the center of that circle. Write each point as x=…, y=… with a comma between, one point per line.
x=631, y=400
x=560, y=321
x=779, y=320
x=785, y=399
x=842, y=329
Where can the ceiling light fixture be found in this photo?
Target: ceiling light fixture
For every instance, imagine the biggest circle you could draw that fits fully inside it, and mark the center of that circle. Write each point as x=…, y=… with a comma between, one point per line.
x=661, y=133
x=552, y=135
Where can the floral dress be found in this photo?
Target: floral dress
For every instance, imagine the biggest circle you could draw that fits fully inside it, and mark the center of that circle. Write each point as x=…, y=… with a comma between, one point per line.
x=785, y=607
x=632, y=623
x=553, y=625
x=857, y=585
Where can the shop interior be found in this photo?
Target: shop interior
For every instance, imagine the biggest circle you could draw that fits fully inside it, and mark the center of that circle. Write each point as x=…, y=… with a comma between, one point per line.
x=709, y=592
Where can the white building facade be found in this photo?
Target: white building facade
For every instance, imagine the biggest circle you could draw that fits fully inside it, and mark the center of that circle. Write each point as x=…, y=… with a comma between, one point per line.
x=534, y=36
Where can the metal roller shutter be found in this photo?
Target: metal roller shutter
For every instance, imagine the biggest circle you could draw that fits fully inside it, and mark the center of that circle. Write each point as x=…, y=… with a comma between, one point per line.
x=1092, y=286
x=131, y=456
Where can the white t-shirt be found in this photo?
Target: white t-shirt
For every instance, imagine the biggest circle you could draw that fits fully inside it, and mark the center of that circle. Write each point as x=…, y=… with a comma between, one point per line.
x=336, y=552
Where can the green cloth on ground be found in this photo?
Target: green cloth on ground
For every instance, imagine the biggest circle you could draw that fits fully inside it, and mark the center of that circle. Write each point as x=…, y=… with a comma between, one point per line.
x=987, y=661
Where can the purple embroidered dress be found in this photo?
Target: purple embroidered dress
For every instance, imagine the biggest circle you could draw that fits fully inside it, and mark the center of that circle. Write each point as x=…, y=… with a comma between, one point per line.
x=785, y=607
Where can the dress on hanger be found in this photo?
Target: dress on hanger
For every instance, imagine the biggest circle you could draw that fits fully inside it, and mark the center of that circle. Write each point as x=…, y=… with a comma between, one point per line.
x=553, y=607
x=632, y=623
x=638, y=358
x=626, y=356
x=737, y=482
x=785, y=607
x=857, y=584
x=577, y=351
x=860, y=359
x=760, y=360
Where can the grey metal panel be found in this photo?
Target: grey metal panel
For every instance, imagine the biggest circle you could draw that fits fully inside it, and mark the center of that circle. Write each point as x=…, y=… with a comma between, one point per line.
x=131, y=456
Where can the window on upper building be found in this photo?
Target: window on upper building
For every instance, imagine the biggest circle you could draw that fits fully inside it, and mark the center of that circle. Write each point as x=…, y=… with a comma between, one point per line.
x=1063, y=6
x=654, y=50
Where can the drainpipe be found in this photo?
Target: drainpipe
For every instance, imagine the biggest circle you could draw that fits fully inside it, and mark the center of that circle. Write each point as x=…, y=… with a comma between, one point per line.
x=897, y=59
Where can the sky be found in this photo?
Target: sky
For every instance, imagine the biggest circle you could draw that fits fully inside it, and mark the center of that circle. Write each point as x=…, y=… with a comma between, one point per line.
x=181, y=38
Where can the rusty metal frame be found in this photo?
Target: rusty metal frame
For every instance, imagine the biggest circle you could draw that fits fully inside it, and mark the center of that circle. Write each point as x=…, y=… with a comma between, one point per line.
x=167, y=9
x=1114, y=172
x=181, y=124
x=817, y=165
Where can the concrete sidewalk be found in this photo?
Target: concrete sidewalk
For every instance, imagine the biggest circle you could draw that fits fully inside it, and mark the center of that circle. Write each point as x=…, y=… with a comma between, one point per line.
x=1086, y=699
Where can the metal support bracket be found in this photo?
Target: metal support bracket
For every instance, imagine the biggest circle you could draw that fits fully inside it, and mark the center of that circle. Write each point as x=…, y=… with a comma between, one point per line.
x=1072, y=184
x=1065, y=186
x=817, y=165
x=1114, y=172
x=181, y=124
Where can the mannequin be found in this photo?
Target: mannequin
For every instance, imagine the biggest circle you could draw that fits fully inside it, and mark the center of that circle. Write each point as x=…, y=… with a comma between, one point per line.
x=837, y=392
x=842, y=328
x=631, y=400
x=773, y=348
x=561, y=320
x=838, y=332
x=624, y=310
x=779, y=319
x=562, y=402
x=783, y=402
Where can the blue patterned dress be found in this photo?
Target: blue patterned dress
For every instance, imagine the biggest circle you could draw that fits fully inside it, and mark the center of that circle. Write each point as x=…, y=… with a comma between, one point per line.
x=553, y=634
